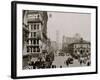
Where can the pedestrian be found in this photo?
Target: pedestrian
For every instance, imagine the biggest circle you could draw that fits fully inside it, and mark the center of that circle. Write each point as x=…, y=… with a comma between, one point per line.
x=33, y=65
x=80, y=62
x=67, y=63
x=88, y=64
x=60, y=66
x=52, y=66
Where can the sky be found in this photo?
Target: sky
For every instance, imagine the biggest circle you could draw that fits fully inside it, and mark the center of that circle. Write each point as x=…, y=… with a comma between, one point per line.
x=68, y=24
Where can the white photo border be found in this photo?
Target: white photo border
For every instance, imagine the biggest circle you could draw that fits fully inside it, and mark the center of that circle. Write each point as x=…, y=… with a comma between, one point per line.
x=59, y=8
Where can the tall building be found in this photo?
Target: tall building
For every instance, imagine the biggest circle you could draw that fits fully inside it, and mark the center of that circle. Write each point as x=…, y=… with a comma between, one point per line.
x=25, y=32
x=36, y=39
x=54, y=45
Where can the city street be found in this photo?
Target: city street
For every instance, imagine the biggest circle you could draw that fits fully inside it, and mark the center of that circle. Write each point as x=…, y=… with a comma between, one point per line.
x=61, y=61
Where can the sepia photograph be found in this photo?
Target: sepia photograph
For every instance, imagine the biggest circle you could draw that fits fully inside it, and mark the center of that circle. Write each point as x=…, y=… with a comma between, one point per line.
x=56, y=39
x=53, y=40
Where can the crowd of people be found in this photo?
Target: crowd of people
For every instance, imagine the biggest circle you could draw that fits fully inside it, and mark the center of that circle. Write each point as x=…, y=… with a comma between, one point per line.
x=47, y=63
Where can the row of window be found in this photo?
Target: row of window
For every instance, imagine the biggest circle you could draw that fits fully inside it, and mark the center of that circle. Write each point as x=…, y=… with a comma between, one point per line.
x=33, y=41
x=81, y=51
x=35, y=27
x=33, y=49
x=34, y=16
x=33, y=34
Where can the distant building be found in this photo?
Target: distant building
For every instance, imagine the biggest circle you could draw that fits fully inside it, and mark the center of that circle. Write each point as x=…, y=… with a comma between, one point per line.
x=34, y=33
x=54, y=45
x=68, y=40
x=57, y=39
x=80, y=48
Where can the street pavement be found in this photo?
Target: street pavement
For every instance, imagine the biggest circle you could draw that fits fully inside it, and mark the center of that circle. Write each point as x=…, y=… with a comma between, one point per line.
x=61, y=61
